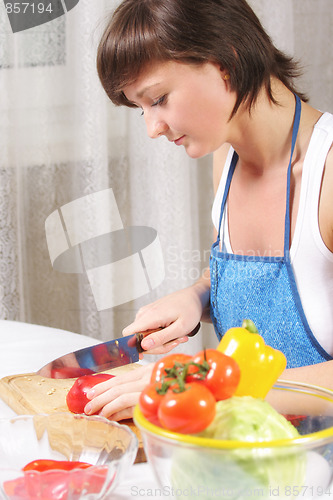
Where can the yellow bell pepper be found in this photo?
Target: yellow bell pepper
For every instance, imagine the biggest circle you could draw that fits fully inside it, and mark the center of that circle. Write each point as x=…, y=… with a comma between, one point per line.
x=260, y=365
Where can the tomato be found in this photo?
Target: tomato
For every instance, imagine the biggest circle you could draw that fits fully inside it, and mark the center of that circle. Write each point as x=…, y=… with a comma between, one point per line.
x=70, y=372
x=167, y=362
x=149, y=402
x=296, y=420
x=184, y=389
x=44, y=464
x=76, y=398
x=188, y=412
x=223, y=376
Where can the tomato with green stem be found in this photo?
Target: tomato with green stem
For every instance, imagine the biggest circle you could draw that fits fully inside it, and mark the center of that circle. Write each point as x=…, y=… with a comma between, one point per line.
x=162, y=367
x=149, y=402
x=188, y=411
x=216, y=371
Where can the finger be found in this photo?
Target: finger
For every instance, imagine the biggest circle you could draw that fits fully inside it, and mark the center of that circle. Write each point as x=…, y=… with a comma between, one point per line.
x=140, y=373
x=120, y=393
x=169, y=346
x=147, y=318
x=122, y=415
x=146, y=323
x=161, y=337
x=106, y=405
x=109, y=411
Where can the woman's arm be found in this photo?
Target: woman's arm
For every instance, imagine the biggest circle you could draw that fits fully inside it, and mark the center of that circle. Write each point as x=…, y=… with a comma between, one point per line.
x=177, y=314
x=320, y=374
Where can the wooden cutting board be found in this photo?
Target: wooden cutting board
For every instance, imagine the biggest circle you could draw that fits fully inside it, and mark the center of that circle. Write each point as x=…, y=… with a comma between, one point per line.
x=29, y=393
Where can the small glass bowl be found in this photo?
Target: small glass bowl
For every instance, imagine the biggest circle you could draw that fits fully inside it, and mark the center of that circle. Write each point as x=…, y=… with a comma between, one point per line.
x=110, y=447
x=302, y=467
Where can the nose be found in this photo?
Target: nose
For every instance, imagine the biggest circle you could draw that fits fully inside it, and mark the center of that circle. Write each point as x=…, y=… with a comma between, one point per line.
x=155, y=127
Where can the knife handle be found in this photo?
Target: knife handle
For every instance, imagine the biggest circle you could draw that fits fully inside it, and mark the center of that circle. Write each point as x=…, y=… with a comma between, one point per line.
x=141, y=335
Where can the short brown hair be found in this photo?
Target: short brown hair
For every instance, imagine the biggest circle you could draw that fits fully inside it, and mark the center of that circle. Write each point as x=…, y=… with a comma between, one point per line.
x=226, y=32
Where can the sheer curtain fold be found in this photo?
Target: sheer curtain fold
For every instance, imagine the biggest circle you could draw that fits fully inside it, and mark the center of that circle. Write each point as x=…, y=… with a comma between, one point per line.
x=61, y=140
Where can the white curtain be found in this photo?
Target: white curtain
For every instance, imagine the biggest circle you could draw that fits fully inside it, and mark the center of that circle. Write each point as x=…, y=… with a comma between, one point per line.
x=62, y=140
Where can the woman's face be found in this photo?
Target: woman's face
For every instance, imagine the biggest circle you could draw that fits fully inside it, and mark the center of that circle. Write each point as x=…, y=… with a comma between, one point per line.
x=189, y=104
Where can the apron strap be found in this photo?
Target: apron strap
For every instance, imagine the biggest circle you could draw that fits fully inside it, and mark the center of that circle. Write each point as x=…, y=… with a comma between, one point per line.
x=293, y=142
x=234, y=160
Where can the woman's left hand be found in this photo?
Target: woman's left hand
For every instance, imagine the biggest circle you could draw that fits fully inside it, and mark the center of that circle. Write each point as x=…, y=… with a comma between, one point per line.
x=116, y=398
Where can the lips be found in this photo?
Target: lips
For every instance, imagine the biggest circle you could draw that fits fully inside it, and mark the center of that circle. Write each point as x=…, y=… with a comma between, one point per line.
x=179, y=141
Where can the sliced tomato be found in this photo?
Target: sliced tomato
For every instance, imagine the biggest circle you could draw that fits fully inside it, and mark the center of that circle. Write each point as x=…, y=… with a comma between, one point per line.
x=167, y=362
x=44, y=464
x=55, y=484
x=223, y=376
x=76, y=398
x=295, y=419
x=189, y=411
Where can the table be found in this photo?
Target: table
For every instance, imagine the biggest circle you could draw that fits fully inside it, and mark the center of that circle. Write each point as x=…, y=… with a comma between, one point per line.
x=24, y=348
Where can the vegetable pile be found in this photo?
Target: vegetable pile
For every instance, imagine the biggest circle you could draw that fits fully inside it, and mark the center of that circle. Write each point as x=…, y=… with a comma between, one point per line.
x=184, y=390
x=219, y=394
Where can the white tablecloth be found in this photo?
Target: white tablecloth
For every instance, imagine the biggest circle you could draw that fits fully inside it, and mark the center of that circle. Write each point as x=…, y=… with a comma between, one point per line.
x=24, y=348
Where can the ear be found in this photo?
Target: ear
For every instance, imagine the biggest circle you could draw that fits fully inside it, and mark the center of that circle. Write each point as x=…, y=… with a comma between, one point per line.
x=225, y=75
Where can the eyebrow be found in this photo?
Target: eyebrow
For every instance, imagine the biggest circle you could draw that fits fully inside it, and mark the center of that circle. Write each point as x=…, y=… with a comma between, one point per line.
x=145, y=89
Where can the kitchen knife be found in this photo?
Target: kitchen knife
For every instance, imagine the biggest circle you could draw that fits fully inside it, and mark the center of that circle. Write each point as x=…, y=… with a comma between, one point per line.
x=99, y=357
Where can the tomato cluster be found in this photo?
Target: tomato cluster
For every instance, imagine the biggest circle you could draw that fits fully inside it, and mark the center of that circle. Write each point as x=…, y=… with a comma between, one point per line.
x=183, y=390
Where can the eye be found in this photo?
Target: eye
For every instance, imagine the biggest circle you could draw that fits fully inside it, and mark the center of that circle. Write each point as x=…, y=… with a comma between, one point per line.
x=160, y=101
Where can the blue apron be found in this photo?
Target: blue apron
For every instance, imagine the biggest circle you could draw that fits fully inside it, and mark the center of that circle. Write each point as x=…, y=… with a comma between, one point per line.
x=263, y=289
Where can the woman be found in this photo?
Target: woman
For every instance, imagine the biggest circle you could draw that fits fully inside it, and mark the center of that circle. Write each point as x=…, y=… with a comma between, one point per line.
x=207, y=76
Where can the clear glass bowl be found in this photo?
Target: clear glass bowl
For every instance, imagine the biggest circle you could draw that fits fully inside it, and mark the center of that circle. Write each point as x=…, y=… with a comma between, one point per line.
x=302, y=467
x=110, y=447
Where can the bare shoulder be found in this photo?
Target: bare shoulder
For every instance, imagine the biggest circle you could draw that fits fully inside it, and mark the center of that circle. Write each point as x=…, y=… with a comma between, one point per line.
x=219, y=159
x=326, y=203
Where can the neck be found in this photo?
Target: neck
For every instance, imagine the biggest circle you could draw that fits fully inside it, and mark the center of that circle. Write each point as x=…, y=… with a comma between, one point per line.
x=262, y=138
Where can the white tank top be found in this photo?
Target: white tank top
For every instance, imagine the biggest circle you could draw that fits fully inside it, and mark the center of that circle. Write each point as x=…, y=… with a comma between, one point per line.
x=311, y=260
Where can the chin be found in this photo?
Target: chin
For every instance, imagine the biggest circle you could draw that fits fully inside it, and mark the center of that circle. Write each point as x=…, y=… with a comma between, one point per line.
x=196, y=153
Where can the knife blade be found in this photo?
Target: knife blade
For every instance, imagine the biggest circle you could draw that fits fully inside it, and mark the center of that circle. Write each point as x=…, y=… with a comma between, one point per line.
x=100, y=357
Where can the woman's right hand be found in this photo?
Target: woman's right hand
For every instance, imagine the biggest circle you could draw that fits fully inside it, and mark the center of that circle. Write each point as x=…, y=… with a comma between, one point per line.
x=116, y=398
x=177, y=314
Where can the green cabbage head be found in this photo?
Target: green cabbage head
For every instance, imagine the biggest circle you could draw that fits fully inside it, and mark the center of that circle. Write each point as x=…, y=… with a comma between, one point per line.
x=240, y=472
